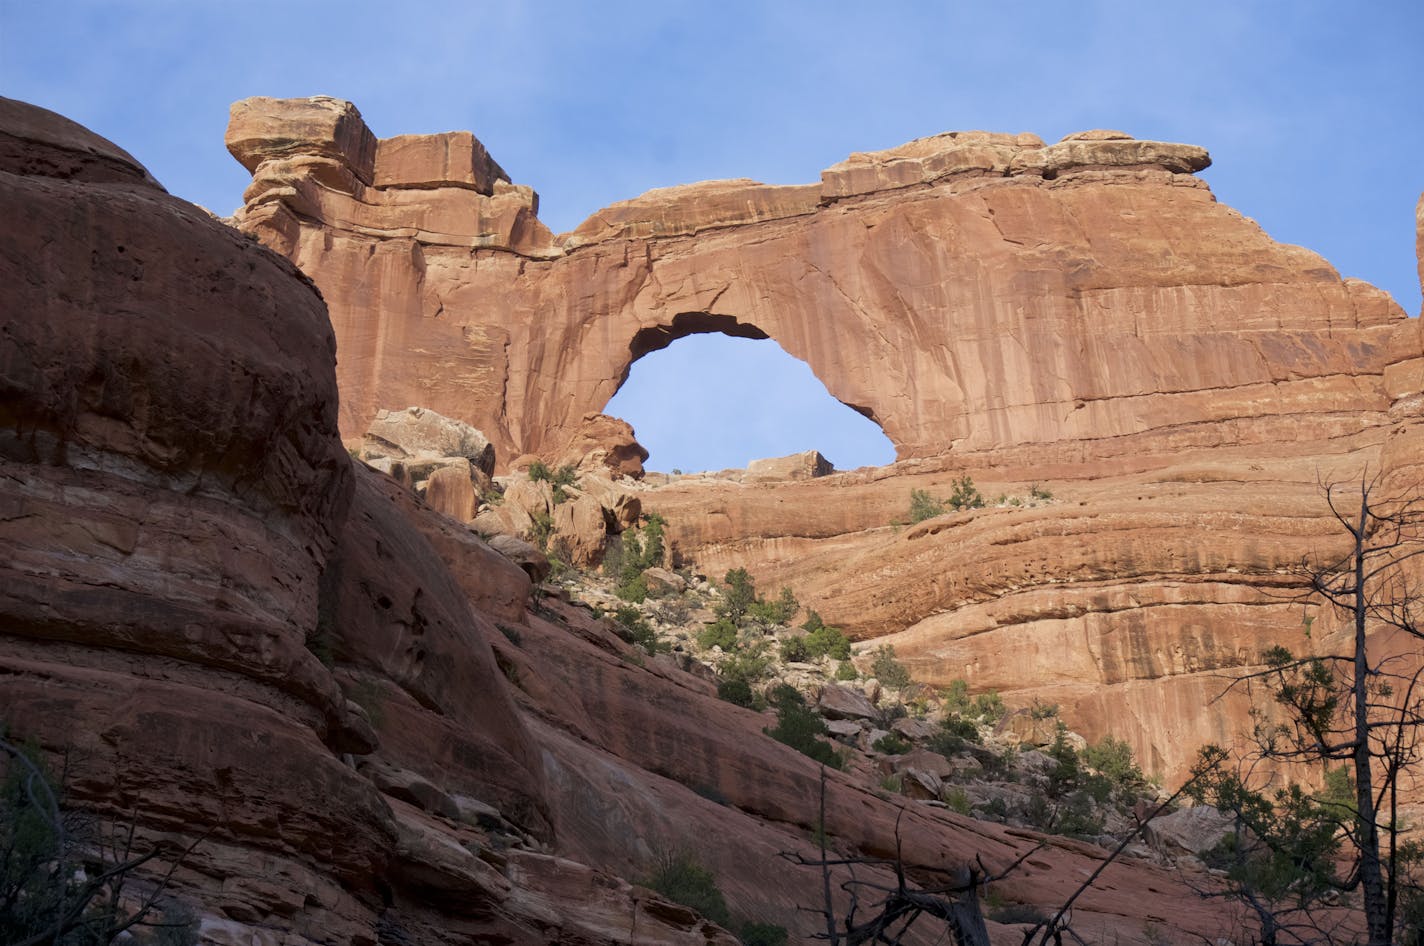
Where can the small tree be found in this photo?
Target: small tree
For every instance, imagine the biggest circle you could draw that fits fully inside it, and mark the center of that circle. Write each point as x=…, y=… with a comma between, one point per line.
x=888, y=670
x=924, y=506
x=738, y=596
x=1357, y=705
x=966, y=495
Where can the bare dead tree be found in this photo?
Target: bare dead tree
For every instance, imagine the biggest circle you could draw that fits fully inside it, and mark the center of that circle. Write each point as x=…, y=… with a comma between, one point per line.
x=876, y=912
x=1357, y=705
x=64, y=877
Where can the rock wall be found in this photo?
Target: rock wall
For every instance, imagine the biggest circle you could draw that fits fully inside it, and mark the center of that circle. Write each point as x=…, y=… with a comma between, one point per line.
x=243, y=639
x=967, y=292
x=1082, y=315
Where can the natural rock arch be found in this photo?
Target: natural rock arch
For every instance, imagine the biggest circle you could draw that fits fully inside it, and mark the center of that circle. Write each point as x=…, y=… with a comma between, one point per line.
x=973, y=292
x=653, y=338
x=743, y=394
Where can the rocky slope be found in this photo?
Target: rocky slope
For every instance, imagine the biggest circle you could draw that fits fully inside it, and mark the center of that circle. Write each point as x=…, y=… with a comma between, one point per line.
x=243, y=638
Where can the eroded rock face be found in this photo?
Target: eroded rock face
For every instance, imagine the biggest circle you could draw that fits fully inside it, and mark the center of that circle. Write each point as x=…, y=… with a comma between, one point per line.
x=205, y=599
x=970, y=291
x=1081, y=314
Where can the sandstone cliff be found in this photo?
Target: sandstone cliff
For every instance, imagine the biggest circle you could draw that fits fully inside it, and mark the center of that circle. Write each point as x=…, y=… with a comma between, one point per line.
x=246, y=639
x=1081, y=315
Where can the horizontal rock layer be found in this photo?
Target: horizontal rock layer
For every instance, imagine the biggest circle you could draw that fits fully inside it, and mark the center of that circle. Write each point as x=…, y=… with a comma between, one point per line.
x=1082, y=314
x=341, y=695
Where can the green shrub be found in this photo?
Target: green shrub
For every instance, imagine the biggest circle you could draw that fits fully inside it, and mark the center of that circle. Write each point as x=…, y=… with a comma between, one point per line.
x=637, y=630
x=634, y=589
x=989, y=706
x=892, y=744
x=894, y=782
x=955, y=735
x=780, y=611
x=956, y=696
x=794, y=650
x=965, y=495
x=924, y=506
x=1043, y=710
x=738, y=596
x=736, y=691
x=1038, y=492
x=889, y=671
x=566, y=475
x=798, y=727
x=749, y=663
x=1067, y=771
x=1113, y=759
x=763, y=934
x=541, y=527
x=956, y=798
x=828, y=642
x=720, y=633
x=679, y=877
x=845, y=671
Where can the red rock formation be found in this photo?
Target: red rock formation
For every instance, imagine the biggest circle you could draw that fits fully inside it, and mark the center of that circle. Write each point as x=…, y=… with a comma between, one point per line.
x=1082, y=314
x=969, y=292
x=195, y=580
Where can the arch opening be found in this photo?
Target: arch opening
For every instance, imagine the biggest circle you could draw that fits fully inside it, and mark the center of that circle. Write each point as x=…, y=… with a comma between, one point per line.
x=709, y=392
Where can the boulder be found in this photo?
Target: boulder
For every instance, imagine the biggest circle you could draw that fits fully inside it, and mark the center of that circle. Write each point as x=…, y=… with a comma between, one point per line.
x=451, y=490
x=663, y=580
x=1187, y=830
x=408, y=786
x=914, y=729
x=418, y=432
x=524, y=554
x=798, y=466
x=838, y=702
x=925, y=761
x=605, y=445
x=1023, y=727
x=580, y=530
x=917, y=783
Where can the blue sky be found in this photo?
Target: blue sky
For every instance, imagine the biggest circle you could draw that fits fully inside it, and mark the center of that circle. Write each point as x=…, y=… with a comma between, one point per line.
x=1311, y=111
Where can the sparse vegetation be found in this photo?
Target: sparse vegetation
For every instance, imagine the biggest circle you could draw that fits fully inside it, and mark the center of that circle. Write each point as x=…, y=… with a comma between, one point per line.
x=763, y=934
x=635, y=629
x=738, y=596
x=892, y=744
x=846, y=672
x=965, y=495
x=798, y=727
x=887, y=669
x=678, y=876
x=720, y=633
x=541, y=527
x=823, y=640
x=780, y=611
x=67, y=878
x=631, y=554
x=924, y=506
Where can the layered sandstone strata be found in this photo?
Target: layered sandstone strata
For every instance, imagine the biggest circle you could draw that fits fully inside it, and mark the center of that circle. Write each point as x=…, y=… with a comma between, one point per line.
x=1082, y=315
x=195, y=578
x=968, y=292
